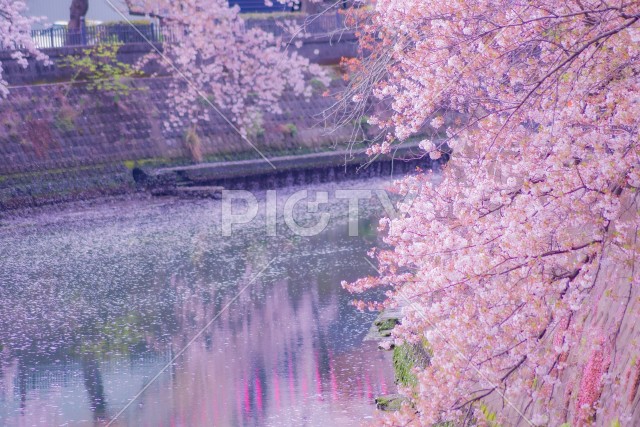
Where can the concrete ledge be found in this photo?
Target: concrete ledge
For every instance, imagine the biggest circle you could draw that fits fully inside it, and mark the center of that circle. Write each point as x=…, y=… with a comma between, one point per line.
x=214, y=172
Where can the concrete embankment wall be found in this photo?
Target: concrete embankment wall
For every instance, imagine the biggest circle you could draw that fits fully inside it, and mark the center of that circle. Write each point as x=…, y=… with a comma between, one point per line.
x=62, y=142
x=58, y=141
x=45, y=127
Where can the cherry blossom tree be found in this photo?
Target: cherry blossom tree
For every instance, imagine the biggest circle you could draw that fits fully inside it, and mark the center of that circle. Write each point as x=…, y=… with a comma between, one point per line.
x=15, y=35
x=495, y=265
x=220, y=63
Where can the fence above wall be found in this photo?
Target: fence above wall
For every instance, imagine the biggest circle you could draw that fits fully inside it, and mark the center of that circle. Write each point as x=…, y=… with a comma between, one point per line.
x=61, y=36
x=325, y=40
x=123, y=32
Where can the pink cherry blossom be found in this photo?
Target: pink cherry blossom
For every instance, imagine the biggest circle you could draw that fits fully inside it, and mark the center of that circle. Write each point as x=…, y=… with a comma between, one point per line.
x=219, y=62
x=15, y=34
x=495, y=262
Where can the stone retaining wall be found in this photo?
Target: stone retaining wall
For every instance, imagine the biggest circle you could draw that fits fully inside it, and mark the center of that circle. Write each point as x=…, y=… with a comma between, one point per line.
x=56, y=126
x=61, y=141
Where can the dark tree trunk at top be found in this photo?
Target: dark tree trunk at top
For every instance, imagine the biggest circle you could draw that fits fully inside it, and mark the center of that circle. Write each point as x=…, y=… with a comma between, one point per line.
x=77, y=10
x=311, y=8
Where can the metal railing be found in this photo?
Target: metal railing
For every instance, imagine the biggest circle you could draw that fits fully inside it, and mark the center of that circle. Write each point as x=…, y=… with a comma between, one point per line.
x=124, y=33
x=96, y=34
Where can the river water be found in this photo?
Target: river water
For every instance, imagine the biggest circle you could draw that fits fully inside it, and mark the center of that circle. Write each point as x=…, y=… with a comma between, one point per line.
x=139, y=312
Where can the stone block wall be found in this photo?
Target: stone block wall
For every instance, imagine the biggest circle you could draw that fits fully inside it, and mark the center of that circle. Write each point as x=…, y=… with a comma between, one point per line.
x=53, y=135
x=60, y=125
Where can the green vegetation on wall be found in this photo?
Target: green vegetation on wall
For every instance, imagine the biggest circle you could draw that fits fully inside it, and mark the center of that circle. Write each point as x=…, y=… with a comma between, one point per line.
x=406, y=357
x=100, y=68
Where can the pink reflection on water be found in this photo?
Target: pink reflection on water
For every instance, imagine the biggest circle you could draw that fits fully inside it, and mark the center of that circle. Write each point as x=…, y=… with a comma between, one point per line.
x=304, y=389
x=258, y=393
x=241, y=377
x=247, y=400
x=276, y=389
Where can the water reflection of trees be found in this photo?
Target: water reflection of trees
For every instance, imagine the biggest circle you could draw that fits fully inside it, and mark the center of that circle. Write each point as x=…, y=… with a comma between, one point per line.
x=264, y=356
x=74, y=318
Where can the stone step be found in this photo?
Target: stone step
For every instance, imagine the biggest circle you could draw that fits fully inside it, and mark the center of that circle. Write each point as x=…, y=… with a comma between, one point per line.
x=381, y=328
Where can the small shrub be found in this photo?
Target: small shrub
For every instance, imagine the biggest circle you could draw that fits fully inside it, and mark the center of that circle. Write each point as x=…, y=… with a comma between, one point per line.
x=130, y=164
x=317, y=85
x=38, y=136
x=100, y=67
x=362, y=123
x=389, y=403
x=290, y=129
x=386, y=326
x=63, y=123
x=135, y=22
x=255, y=129
x=194, y=144
x=65, y=120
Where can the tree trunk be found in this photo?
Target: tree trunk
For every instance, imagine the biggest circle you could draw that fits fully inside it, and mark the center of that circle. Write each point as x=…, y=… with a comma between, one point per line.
x=310, y=7
x=313, y=7
x=77, y=11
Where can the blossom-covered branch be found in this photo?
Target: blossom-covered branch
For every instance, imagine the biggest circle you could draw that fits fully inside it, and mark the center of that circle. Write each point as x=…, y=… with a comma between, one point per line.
x=243, y=71
x=538, y=198
x=15, y=35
